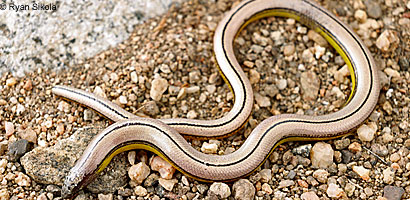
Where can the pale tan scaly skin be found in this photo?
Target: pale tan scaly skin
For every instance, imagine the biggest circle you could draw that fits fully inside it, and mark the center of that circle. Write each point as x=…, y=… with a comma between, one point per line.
x=166, y=141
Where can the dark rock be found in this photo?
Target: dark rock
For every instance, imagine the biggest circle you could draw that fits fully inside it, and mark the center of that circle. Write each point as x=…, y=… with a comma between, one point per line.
x=18, y=149
x=393, y=192
x=346, y=156
x=51, y=165
x=373, y=9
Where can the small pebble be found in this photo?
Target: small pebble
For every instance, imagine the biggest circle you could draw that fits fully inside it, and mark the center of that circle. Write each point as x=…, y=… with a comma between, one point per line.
x=282, y=84
x=209, y=148
x=288, y=50
x=362, y=172
x=243, y=189
x=355, y=147
x=321, y=155
x=285, y=183
x=333, y=191
x=317, y=38
x=393, y=192
x=18, y=149
x=9, y=127
x=254, y=76
x=122, y=100
x=221, y=190
x=158, y=87
x=310, y=84
x=388, y=175
x=266, y=175
x=99, y=92
x=29, y=135
x=105, y=196
x=309, y=196
x=360, y=15
x=11, y=82
x=367, y=132
x=22, y=179
x=387, y=41
x=321, y=175
x=262, y=101
x=165, y=169
x=267, y=188
x=140, y=191
x=192, y=114
x=134, y=77
x=139, y=172
x=168, y=184
x=151, y=108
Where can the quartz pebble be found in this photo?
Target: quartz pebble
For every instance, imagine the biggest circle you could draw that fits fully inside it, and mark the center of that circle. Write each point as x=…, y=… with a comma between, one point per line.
x=317, y=38
x=355, y=147
x=281, y=84
x=387, y=41
x=139, y=172
x=221, y=190
x=262, y=101
x=105, y=196
x=29, y=135
x=209, y=148
x=168, y=184
x=321, y=155
x=158, y=87
x=362, y=172
x=360, y=15
x=266, y=175
x=388, y=175
x=321, y=175
x=366, y=132
x=165, y=169
x=310, y=85
x=333, y=191
x=267, y=188
x=289, y=50
x=22, y=179
x=285, y=183
x=309, y=196
x=9, y=127
x=243, y=189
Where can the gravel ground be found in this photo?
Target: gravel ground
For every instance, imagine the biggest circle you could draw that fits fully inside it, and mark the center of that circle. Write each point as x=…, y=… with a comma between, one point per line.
x=291, y=69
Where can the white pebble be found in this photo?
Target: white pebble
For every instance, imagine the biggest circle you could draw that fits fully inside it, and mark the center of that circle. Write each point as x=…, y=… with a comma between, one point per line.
x=122, y=100
x=386, y=40
x=362, y=172
x=192, y=114
x=134, y=77
x=209, y=147
x=158, y=87
x=165, y=169
x=333, y=191
x=392, y=73
x=360, y=15
x=139, y=172
x=9, y=127
x=100, y=92
x=262, y=101
x=282, y=84
x=22, y=179
x=222, y=190
x=167, y=184
x=140, y=191
x=321, y=155
x=366, y=132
